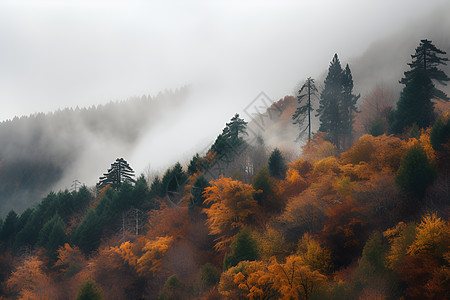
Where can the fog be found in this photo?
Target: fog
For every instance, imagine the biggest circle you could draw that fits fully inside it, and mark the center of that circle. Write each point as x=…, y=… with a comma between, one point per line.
x=57, y=54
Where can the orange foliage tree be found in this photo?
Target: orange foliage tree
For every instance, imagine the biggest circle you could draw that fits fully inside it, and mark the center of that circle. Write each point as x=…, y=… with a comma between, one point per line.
x=231, y=208
x=30, y=281
x=344, y=231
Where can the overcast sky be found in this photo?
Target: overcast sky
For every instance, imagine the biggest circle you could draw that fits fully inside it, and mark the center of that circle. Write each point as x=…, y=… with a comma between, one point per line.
x=68, y=53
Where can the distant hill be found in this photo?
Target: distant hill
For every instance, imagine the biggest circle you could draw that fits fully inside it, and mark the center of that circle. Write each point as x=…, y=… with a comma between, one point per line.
x=37, y=151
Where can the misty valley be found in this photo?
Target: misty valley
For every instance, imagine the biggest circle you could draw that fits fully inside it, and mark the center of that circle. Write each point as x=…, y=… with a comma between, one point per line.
x=326, y=194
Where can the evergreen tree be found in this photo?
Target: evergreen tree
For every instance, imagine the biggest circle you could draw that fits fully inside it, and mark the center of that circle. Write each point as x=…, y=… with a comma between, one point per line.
x=330, y=100
x=89, y=291
x=197, y=197
x=415, y=172
x=119, y=172
x=244, y=247
x=234, y=129
x=277, y=165
x=228, y=144
x=307, y=91
x=8, y=230
x=197, y=164
x=88, y=234
x=209, y=275
x=337, y=104
x=427, y=58
x=173, y=180
x=348, y=106
x=440, y=133
x=415, y=105
x=173, y=289
x=52, y=235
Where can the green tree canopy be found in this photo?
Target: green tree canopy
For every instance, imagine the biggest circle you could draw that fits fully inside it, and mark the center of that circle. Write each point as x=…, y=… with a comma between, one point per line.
x=89, y=291
x=415, y=172
x=414, y=105
x=244, y=247
x=52, y=235
x=440, y=133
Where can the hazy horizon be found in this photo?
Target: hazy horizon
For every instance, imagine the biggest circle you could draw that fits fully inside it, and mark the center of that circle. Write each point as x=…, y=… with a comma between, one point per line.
x=58, y=54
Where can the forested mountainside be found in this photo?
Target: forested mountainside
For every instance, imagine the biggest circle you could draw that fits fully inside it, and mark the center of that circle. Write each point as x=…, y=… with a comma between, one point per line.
x=361, y=213
x=38, y=151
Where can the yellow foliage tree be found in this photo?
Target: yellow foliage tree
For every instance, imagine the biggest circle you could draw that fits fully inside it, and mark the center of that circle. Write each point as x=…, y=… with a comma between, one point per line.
x=432, y=237
x=151, y=261
x=248, y=280
x=295, y=279
x=314, y=255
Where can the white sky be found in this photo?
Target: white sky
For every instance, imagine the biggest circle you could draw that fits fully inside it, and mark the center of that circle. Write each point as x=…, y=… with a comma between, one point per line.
x=64, y=53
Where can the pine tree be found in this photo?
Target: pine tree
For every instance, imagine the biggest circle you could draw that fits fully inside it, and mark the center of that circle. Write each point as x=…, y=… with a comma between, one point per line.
x=277, y=165
x=119, y=173
x=229, y=143
x=330, y=99
x=415, y=105
x=337, y=104
x=307, y=91
x=8, y=230
x=233, y=129
x=197, y=196
x=427, y=58
x=53, y=235
x=348, y=106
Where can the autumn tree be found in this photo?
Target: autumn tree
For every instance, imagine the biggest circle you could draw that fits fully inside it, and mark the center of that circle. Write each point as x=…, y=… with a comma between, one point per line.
x=344, y=232
x=231, y=208
x=314, y=254
x=422, y=262
x=30, y=281
x=302, y=112
x=294, y=279
x=248, y=280
x=374, y=111
x=119, y=173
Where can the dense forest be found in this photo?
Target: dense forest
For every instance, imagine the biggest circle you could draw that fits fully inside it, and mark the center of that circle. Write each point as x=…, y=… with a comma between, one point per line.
x=40, y=150
x=361, y=213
